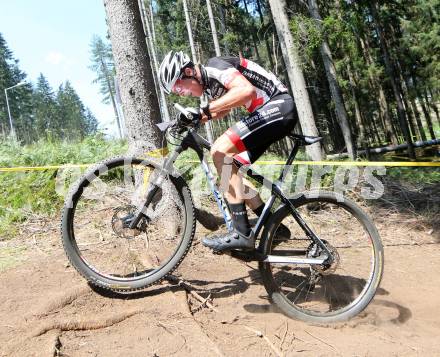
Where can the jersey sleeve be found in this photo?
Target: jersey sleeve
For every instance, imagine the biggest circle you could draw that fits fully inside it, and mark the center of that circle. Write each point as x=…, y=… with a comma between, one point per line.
x=222, y=71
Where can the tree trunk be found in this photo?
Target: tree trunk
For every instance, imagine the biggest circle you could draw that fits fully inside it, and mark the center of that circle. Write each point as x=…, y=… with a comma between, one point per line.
x=409, y=103
x=418, y=120
x=384, y=111
x=223, y=27
x=266, y=40
x=112, y=98
x=194, y=58
x=391, y=75
x=189, y=30
x=296, y=76
x=422, y=104
x=213, y=28
x=135, y=78
x=153, y=28
x=410, y=117
x=359, y=119
x=375, y=132
x=254, y=36
x=148, y=24
x=433, y=104
x=335, y=90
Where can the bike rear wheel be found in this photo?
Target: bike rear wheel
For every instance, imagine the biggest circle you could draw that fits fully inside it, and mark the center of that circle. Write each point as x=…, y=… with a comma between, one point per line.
x=332, y=291
x=95, y=220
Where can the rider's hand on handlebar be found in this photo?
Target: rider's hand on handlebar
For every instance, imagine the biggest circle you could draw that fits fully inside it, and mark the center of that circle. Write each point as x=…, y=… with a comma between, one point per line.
x=192, y=119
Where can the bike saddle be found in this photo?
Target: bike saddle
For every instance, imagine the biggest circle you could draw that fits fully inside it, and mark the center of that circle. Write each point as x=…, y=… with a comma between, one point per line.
x=305, y=140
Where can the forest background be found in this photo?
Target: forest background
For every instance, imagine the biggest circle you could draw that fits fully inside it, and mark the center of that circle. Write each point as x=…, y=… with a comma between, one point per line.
x=373, y=65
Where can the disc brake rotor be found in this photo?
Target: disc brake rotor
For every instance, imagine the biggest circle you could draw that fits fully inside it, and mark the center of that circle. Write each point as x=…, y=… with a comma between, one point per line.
x=122, y=218
x=326, y=268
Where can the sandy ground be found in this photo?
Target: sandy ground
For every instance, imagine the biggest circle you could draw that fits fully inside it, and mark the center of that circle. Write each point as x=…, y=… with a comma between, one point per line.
x=47, y=309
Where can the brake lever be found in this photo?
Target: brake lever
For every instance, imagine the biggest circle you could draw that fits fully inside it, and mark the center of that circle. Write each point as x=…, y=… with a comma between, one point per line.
x=188, y=115
x=183, y=111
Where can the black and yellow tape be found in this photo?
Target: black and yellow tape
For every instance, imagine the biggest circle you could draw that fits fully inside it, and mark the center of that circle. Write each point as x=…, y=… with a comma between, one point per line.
x=310, y=163
x=157, y=153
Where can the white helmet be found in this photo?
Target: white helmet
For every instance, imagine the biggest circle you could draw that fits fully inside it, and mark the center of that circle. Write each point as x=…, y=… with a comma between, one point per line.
x=171, y=68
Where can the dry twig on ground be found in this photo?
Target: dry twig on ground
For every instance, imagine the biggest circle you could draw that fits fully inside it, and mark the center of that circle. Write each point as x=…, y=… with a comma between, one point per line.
x=260, y=334
x=205, y=301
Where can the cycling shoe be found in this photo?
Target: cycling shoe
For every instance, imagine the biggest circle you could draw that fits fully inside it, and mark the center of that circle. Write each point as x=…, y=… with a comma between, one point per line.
x=228, y=241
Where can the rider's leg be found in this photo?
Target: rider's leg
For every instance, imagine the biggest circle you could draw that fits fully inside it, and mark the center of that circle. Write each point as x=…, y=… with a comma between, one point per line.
x=223, y=150
x=231, y=181
x=222, y=153
x=251, y=135
x=253, y=199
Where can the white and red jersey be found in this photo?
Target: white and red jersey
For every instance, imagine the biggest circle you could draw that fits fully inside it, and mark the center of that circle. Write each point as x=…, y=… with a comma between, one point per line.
x=219, y=72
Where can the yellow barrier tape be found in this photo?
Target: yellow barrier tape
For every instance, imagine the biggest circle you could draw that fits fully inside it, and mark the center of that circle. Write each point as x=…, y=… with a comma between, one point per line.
x=40, y=168
x=311, y=163
x=353, y=163
x=344, y=163
x=161, y=152
x=158, y=152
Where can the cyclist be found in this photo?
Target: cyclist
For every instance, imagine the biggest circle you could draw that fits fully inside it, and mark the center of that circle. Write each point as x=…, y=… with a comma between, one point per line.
x=231, y=82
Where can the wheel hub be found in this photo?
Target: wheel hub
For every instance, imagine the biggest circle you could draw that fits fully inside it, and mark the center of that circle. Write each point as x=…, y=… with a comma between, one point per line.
x=121, y=220
x=330, y=264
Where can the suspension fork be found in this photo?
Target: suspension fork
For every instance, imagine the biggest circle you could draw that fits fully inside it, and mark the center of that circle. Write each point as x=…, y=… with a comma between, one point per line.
x=164, y=171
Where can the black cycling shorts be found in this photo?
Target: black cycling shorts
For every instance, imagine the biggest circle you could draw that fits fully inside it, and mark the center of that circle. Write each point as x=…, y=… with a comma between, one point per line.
x=253, y=135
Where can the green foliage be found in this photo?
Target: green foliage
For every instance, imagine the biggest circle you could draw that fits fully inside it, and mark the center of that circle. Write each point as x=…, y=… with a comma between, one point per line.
x=421, y=36
x=76, y=121
x=419, y=175
x=22, y=193
x=307, y=35
x=411, y=32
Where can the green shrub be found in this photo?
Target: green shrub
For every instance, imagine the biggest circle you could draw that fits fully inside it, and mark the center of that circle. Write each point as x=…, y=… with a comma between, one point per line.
x=27, y=192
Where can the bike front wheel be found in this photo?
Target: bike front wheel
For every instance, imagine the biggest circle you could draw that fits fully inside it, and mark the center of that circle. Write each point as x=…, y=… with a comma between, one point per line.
x=95, y=224
x=339, y=288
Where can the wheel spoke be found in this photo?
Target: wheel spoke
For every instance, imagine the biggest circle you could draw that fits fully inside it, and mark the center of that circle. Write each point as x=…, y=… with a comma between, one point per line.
x=329, y=288
x=96, y=233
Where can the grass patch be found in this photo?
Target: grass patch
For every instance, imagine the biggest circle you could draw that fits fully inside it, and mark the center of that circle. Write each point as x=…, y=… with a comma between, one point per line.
x=11, y=256
x=23, y=193
x=415, y=175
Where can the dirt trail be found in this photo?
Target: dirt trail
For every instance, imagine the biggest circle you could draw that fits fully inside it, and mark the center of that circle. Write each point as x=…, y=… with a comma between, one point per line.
x=47, y=309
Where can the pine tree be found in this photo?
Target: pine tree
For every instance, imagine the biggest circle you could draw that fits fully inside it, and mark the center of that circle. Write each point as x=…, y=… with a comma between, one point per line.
x=74, y=121
x=90, y=123
x=19, y=98
x=45, y=109
x=103, y=66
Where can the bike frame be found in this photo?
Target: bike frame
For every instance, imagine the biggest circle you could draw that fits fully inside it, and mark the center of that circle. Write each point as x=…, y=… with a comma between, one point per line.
x=196, y=142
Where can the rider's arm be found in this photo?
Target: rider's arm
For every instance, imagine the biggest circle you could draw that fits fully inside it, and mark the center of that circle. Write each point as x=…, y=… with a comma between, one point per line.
x=216, y=115
x=240, y=91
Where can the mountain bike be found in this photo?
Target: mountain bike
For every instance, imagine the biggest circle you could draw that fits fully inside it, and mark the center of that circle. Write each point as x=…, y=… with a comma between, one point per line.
x=129, y=222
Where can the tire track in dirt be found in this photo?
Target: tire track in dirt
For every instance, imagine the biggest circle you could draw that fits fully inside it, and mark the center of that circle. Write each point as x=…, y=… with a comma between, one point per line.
x=42, y=293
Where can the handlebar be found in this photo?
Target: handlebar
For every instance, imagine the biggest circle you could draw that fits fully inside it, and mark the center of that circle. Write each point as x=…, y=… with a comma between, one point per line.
x=188, y=115
x=181, y=109
x=185, y=112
